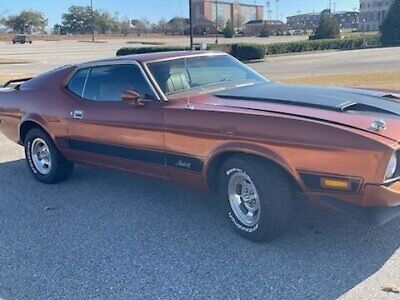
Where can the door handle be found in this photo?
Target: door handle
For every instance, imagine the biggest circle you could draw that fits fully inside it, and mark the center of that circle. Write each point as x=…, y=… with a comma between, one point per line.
x=77, y=114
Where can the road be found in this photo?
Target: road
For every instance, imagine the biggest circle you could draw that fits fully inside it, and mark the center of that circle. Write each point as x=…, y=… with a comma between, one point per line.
x=46, y=55
x=106, y=234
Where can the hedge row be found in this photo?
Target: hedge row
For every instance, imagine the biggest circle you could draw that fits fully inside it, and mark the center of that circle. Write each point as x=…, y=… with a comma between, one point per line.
x=246, y=52
x=319, y=45
x=242, y=52
x=142, y=50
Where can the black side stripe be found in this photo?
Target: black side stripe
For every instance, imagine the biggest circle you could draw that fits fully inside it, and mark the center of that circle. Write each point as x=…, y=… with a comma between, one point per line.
x=156, y=157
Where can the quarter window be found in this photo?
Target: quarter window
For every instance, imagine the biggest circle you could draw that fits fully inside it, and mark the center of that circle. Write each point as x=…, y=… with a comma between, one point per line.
x=77, y=82
x=106, y=83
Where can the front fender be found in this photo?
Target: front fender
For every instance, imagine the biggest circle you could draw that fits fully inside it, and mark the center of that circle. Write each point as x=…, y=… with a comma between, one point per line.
x=256, y=150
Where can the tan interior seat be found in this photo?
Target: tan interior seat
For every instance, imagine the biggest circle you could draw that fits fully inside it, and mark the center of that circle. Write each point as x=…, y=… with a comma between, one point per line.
x=177, y=82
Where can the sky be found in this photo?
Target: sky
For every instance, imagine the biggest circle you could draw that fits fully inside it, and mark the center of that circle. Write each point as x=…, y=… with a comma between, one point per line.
x=154, y=10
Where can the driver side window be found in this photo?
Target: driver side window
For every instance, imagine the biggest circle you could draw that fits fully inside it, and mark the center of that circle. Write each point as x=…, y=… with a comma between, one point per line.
x=106, y=83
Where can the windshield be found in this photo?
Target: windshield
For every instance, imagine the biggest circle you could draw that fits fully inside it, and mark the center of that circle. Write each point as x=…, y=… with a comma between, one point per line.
x=184, y=74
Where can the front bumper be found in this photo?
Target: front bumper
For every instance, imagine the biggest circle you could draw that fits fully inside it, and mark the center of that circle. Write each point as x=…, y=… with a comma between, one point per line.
x=377, y=215
x=379, y=205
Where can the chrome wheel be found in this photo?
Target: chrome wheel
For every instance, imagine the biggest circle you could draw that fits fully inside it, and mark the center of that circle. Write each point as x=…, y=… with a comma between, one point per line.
x=41, y=157
x=244, y=199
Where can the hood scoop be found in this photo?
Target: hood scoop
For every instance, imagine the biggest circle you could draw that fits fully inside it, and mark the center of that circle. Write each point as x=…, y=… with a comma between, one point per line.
x=391, y=96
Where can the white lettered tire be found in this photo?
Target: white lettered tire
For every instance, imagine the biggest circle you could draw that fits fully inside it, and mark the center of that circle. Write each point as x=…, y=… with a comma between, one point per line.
x=45, y=161
x=256, y=197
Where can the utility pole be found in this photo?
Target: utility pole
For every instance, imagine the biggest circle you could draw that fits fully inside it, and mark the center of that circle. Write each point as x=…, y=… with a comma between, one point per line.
x=334, y=7
x=92, y=19
x=330, y=7
x=191, y=24
x=277, y=9
x=216, y=21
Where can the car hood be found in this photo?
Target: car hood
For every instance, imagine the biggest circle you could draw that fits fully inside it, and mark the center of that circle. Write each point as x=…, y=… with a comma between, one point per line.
x=355, y=108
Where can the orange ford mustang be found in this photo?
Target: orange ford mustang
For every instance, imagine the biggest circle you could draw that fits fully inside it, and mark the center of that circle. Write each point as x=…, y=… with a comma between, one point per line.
x=206, y=120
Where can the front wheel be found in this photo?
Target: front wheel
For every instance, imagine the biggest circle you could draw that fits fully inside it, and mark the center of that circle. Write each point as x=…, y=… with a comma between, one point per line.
x=256, y=197
x=45, y=161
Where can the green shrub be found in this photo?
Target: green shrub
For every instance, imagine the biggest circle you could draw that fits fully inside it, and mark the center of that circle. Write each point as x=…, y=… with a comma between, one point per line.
x=320, y=45
x=245, y=52
x=229, y=31
x=328, y=27
x=390, y=28
x=131, y=50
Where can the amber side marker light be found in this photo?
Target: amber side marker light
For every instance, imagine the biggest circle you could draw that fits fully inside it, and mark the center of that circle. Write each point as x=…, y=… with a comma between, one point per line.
x=335, y=184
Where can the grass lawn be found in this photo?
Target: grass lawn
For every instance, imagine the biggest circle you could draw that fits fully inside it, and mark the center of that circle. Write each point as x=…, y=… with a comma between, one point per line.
x=9, y=61
x=383, y=80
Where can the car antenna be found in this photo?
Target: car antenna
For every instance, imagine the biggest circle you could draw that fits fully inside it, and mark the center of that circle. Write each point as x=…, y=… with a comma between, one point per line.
x=189, y=104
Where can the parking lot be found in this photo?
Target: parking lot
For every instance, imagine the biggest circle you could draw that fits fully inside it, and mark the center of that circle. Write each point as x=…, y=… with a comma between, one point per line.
x=42, y=56
x=106, y=234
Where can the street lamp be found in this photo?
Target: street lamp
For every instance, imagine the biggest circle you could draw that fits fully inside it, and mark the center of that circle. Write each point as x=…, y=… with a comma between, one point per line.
x=92, y=19
x=277, y=9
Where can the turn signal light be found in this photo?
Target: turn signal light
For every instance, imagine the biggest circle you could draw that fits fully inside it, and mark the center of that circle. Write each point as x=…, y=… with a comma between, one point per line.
x=336, y=184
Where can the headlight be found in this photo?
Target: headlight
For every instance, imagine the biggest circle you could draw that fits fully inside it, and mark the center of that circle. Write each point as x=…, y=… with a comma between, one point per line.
x=391, y=168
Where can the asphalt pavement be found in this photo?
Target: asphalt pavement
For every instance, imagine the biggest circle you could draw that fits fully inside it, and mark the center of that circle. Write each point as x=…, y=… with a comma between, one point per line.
x=109, y=235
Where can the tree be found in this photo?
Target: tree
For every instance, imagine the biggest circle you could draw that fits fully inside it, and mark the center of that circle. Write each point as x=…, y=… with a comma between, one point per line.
x=125, y=26
x=161, y=26
x=27, y=21
x=78, y=20
x=229, y=32
x=58, y=29
x=105, y=22
x=328, y=27
x=140, y=26
x=390, y=29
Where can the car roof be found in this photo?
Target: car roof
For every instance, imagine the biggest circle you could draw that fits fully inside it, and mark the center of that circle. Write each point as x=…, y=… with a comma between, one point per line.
x=155, y=56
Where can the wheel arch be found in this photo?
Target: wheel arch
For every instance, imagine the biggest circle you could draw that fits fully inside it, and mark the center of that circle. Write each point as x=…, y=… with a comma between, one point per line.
x=215, y=161
x=27, y=125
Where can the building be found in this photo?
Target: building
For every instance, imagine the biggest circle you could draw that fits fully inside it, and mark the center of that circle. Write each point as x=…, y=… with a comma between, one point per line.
x=181, y=26
x=372, y=14
x=254, y=28
x=220, y=12
x=310, y=21
x=347, y=19
x=178, y=26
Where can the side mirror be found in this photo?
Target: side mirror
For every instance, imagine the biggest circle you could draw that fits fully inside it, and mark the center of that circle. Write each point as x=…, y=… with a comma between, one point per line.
x=132, y=97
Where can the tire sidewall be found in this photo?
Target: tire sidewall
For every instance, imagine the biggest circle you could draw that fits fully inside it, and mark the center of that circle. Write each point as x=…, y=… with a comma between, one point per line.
x=258, y=231
x=31, y=136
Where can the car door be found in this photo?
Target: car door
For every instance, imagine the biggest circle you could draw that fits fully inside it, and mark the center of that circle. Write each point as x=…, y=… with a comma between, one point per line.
x=105, y=130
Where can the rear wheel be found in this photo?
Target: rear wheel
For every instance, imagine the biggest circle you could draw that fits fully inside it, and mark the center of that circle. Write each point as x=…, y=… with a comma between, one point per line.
x=256, y=196
x=45, y=161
